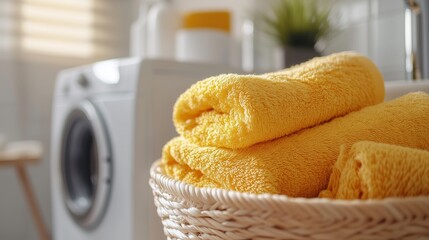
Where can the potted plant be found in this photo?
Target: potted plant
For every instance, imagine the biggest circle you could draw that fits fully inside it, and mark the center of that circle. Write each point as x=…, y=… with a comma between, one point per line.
x=296, y=25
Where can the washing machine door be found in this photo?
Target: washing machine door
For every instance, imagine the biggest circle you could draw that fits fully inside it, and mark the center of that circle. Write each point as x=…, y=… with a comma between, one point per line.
x=86, y=165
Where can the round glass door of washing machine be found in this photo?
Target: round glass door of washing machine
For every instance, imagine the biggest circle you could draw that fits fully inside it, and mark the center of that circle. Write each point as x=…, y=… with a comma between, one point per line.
x=86, y=165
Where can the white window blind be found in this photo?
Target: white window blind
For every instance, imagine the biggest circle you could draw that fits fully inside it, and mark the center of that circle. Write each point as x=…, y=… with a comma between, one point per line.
x=82, y=29
x=6, y=25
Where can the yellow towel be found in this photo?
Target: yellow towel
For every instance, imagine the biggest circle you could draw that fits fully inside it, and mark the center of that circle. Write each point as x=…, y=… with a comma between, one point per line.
x=376, y=170
x=299, y=165
x=237, y=111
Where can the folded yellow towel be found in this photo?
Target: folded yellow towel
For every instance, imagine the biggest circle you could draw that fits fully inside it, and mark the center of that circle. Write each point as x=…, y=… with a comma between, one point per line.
x=237, y=111
x=376, y=170
x=299, y=165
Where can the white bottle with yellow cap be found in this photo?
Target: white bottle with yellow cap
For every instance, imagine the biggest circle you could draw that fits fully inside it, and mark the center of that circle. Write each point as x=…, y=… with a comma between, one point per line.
x=204, y=37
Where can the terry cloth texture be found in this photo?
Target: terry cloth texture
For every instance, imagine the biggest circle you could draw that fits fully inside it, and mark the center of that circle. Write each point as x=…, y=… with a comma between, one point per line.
x=237, y=111
x=299, y=165
x=370, y=170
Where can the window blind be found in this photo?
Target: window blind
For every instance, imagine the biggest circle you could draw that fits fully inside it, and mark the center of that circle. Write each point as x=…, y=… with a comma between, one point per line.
x=6, y=25
x=82, y=29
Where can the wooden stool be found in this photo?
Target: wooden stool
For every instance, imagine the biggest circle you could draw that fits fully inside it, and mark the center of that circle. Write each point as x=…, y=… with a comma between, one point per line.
x=18, y=154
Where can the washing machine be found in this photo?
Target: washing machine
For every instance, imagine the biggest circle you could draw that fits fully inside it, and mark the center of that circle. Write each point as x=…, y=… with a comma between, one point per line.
x=110, y=120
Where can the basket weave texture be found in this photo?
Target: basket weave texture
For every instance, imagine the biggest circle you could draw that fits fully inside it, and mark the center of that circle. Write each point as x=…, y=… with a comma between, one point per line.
x=189, y=212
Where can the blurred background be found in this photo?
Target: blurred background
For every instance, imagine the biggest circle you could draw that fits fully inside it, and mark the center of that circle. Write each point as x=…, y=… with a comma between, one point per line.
x=38, y=38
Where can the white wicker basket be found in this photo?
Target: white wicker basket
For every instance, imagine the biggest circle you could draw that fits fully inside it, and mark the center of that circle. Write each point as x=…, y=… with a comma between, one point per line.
x=188, y=212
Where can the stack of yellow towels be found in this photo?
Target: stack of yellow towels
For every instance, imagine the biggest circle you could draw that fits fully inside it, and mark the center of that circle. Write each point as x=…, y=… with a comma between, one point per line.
x=281, y=132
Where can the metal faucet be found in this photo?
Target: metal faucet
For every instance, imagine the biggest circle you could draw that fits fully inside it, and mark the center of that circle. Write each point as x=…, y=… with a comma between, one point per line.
x=417, y=39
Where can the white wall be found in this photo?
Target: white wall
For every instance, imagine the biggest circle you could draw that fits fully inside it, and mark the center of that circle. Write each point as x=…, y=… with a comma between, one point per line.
x=12, y=213
x=26, y=89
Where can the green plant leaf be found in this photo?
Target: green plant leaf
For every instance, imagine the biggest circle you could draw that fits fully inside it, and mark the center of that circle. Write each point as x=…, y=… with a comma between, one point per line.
x=296, y=22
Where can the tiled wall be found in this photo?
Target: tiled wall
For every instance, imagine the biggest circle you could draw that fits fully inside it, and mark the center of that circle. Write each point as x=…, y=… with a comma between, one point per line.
x=372, y=27
x=375, y=28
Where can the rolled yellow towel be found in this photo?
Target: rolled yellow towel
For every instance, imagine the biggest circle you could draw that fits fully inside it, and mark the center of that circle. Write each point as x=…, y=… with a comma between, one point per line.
x=237, y=111
x=299, y=165
x=375, y=170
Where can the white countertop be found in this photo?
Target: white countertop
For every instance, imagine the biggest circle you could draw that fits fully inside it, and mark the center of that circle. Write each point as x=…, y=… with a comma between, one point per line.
x=396, y=89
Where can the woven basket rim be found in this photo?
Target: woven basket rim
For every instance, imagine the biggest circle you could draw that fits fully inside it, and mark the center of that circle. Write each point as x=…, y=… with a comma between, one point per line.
x=251, y=201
